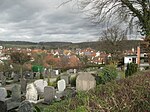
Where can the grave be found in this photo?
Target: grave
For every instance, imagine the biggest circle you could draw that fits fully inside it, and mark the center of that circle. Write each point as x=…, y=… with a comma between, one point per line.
x=16, y=93
x=3, y=106
x=49, y=94
x=61, y=84
x=31, y=93
x=85, y=81
x=25, y=106
x=3, y=80
x=39, y=85
x=23, y=83
x=16, y=77
x=3, y=93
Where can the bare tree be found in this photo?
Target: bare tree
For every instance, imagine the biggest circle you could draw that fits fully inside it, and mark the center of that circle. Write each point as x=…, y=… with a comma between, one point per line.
x=110, y=40
x=113, y=35
x=135, y=12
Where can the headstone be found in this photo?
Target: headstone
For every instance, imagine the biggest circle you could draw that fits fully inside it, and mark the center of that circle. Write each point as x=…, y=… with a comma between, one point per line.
x=3, y=106
x=75, y=71
x=61, y=84
x=23, y=82
x=85, y=81
x=1, y=74
x=3, y=93
x=3, y=79
x=39, y=85
x=66, y=78
x=25, y=106
x=12, y=74
x=49, y=94
x=16, y=78
x=16, y=93
x=31, y=93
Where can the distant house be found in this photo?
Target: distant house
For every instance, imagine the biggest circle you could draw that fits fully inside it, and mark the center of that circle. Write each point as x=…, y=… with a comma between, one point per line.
x=139, y=58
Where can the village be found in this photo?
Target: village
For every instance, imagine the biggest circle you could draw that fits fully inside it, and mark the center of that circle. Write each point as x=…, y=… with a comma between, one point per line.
x=40, y=77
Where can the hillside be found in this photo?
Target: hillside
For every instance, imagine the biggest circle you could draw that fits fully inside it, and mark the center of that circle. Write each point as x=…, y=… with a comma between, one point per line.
x=103, y=46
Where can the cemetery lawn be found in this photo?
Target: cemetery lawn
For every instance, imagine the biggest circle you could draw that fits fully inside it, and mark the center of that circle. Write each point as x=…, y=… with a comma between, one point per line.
x=130, y=94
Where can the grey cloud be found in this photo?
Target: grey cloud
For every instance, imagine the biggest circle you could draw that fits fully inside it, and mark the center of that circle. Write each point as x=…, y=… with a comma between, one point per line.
x=41, y=20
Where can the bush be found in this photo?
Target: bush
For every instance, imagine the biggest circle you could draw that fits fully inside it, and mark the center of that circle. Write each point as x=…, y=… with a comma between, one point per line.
x=131, y=94
x=107, y=74
x=131, y=69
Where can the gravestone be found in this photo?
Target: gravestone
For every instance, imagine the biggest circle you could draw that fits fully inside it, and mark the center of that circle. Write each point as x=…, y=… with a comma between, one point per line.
x=49, y=94
x=3, y=106
x=39, y=85
x=61, y=84
x=23, y=83
x=3, y=79
x=85, y=81
x=66, y=78
x=31, y=93
x=16, y=77
x=12, y=75
x=16, y=93
x=3, y=93
x=25, y=106
x=1, y=74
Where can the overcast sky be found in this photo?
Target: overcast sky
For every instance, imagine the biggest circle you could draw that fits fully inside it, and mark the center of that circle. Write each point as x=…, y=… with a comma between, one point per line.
x=42, y=20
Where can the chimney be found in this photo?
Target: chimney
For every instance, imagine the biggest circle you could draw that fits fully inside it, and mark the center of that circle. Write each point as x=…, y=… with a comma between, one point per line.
x=138, y=55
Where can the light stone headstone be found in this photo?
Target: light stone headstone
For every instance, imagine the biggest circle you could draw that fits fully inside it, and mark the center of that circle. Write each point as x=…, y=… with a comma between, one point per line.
x=61, y=84
x=25, y=106
x=16, y=93
x=85, y=81
x=49, y=94
x=23, y=83
x=66, y=78
x=3, y=93
x=31, y=93
x=40, y=84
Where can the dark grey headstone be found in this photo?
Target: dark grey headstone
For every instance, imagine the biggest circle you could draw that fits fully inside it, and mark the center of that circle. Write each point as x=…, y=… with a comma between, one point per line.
x=16, y=93
x=16, y=78
x=3, y=106
x=25, y=106
x=49, y=94
x=23, y=85
x=3, y=79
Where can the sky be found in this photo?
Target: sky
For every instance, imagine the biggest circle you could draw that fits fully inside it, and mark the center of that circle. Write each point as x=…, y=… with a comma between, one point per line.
x=44, y=20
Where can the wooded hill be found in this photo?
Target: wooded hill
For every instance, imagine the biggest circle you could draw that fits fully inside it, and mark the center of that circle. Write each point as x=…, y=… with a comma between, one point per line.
x=97, y=45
